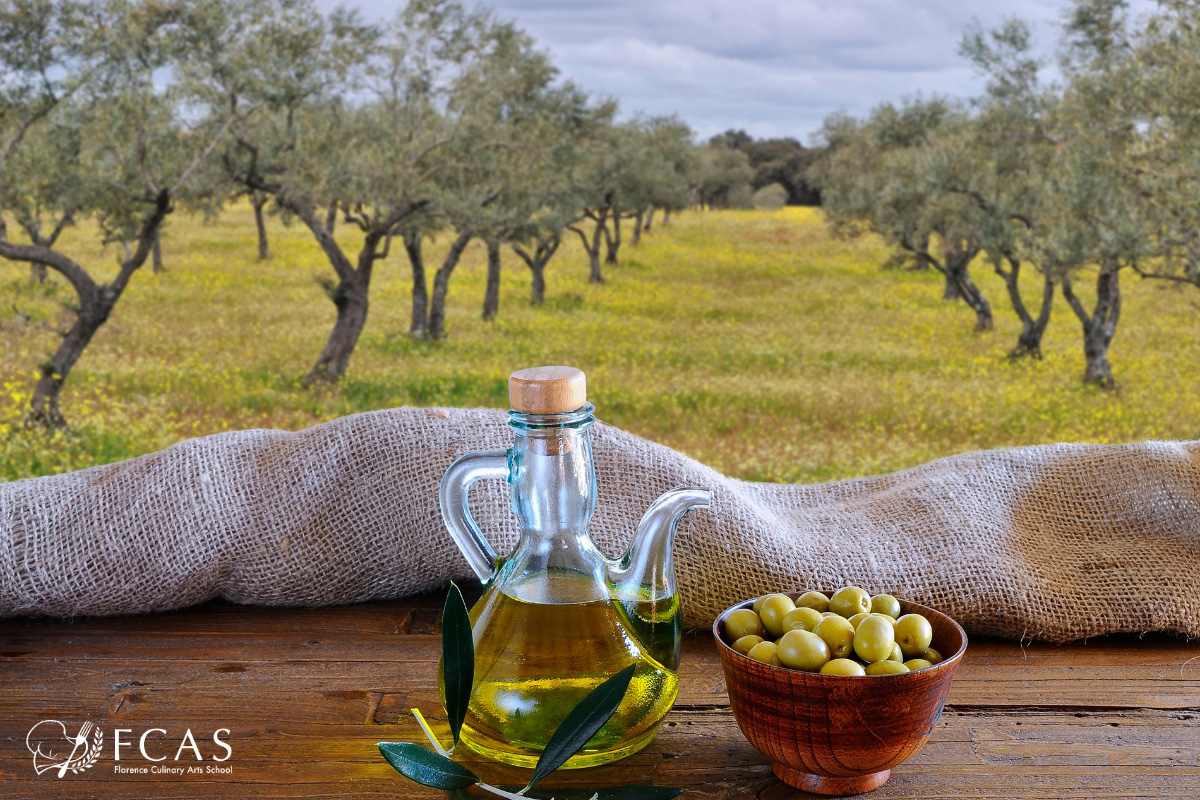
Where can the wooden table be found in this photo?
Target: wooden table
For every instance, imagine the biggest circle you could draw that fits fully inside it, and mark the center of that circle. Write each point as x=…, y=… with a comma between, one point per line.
x=306, y=693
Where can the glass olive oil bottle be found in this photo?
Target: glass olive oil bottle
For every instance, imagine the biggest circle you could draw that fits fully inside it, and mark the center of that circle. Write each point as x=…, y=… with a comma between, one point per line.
x=538, y=660
x=557, y=617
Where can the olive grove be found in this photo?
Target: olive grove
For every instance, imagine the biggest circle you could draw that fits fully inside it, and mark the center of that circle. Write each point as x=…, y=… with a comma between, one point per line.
x=1085, y=179
x=443, y=121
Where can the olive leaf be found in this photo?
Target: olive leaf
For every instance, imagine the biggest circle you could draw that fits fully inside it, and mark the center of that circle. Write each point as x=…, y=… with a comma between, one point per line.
x=582, y=723
x=458, y=659
x=426, y=767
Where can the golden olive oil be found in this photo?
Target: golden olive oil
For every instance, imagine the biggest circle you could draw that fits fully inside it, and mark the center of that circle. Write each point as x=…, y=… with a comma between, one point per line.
x=536, y=660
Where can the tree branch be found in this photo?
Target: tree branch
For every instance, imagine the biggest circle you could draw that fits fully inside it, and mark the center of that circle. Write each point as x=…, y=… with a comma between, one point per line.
x=1074, y=303
x=84, y=286
x=1162, y=276
x=146, y=239
x=523, y=253
x=142, y=157
x=203, y=155
x=990, y=208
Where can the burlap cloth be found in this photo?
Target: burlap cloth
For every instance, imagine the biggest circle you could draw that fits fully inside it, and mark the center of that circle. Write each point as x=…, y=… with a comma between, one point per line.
x=1053, y=542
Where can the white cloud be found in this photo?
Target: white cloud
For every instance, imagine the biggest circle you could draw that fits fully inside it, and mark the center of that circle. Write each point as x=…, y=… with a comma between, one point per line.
x=773, y=68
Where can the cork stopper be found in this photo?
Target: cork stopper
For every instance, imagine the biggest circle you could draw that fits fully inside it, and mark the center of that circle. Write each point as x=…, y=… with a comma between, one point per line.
x=547, y=390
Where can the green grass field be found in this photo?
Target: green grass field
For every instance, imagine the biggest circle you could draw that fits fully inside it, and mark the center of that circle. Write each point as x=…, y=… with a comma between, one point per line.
x=749, y=340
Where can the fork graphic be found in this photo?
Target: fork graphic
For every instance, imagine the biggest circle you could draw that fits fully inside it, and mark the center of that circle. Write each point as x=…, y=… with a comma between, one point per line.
x=81, y=739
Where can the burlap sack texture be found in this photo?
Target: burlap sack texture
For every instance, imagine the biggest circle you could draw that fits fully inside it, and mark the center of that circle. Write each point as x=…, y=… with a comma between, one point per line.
x=1053, y=542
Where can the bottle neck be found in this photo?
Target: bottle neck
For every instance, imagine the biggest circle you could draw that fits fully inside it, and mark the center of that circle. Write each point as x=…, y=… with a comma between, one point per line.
x=554, y=495
x=553, y=480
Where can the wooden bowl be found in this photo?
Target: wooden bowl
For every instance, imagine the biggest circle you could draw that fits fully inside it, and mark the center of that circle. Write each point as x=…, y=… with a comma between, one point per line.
x=835, y=734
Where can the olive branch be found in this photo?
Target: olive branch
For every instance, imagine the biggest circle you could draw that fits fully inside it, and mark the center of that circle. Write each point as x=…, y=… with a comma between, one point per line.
x=436, y=769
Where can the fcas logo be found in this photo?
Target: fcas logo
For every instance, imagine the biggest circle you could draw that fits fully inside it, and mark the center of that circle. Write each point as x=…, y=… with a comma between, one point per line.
x=56, y=750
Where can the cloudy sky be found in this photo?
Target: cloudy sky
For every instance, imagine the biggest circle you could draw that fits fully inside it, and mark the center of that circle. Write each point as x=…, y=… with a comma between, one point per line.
x=772, y=67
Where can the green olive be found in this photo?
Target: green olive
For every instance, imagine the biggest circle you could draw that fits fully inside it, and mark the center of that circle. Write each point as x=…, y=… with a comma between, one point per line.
x=825, y=614
x=850, y=600
x=758, y=603
x=886, y=604
x=913, y=634
x=838, y=633
x=915, y=664
x=886, y=668
x=891, y=620
x=744, y=644
x=800, y=649
x=801, y=618
x=874, y=639
x=742, y=622
x=814, y=600
x=932, y=656
x=843, y=666
x=857, y=618
x=772, y=612
x=897, y=654
x=765, y=652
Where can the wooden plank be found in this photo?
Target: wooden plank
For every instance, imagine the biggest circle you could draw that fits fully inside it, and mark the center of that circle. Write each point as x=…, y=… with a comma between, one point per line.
x=308, y=692
x=1122, y=674
x=969, y=753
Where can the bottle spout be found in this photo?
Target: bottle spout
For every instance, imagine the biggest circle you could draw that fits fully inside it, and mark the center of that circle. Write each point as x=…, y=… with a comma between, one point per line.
x=647, y=569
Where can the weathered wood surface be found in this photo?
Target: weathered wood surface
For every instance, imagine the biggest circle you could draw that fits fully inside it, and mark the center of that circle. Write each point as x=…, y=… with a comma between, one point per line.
x=306, y=694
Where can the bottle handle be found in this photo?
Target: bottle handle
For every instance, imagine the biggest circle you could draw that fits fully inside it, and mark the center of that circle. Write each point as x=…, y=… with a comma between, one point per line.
x=453, y=494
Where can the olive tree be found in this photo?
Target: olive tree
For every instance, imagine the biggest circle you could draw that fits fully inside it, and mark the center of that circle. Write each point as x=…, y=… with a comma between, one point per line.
x=999, y=159
x=659, y=177
x=599, y=176
x=1094, y=218
x=721, y=177
x=888, y=175
x=95, y=129
x=550, y=197
x=1162, y=80
x=503, y=111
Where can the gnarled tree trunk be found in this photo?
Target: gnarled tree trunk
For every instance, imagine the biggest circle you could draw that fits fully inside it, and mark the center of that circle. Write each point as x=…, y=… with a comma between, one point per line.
x=592, y=246
x=974, y=298
x=956, y=270
x=350, y=299
x=922, y=263
x=950, y=289
x=594, y=274
x=638, y=221
x=351, y=293
x=536, y=261
x=649, y=219
x=666, y=217
x=157, y=253
x=418, y=326
x=95, y=305
x=537, y=284
x=1100, y=326
x=1029, y=343
x=95, y=302
x=258, y=200
x=441, y=285
x=614, y=240
x=491, y=295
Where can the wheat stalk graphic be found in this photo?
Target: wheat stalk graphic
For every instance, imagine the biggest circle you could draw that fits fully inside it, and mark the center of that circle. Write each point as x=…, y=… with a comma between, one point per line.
x=88, y=758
